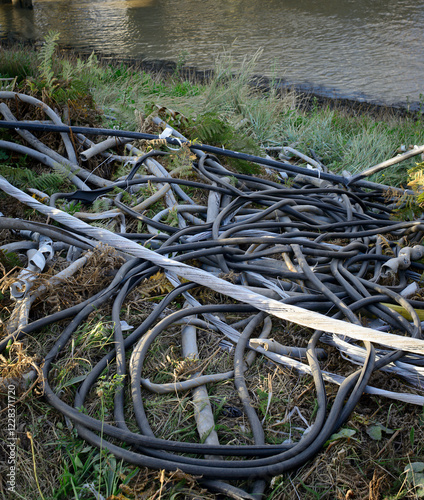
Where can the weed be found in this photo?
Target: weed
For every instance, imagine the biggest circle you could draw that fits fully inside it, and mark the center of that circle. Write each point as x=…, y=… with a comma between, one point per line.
x=182, y=58
x=45, y=58
x=59, y=80
x=181, y=161
x=87, y=470
x=172, y=219
x=23, y=178
x=9, y=260
x=409, y=206
x=71, y=207
x=107, y=387
x=17, y=62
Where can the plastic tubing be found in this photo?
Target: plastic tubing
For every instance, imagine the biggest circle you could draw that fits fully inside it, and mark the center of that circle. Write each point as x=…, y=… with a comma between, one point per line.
x=102, y=146
x=46, y=160
x=203, y=147
x=71, y=165
x=50, y=113
x=50, y=231
x=334, y=275
x=207, y=308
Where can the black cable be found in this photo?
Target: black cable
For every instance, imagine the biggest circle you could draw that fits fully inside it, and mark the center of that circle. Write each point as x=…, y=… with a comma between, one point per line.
x=171, y=140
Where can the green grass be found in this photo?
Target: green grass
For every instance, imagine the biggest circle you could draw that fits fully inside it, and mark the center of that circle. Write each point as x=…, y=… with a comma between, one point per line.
x=228, y=112
x=17, y=61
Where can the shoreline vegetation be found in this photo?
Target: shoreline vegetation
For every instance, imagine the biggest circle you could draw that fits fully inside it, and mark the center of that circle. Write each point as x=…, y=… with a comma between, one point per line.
x=311, y=94
x=345, y=134
x=221, y=108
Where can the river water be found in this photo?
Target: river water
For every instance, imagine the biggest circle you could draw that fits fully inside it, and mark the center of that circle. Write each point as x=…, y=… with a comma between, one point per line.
x=369, y=50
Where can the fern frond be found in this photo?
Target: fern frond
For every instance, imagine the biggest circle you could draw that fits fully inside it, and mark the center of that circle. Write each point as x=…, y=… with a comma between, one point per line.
x=417, y=180
x=17, y=176
x=45, y=57
x=110, y=226
x=101, y=204
x=49, y=183
x=24, y=177
x=385, y=245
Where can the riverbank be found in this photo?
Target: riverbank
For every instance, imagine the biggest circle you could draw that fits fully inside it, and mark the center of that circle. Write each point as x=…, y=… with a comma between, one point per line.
x=304, y=42
x=368, y=458
x=311, y=95
x=345, y=135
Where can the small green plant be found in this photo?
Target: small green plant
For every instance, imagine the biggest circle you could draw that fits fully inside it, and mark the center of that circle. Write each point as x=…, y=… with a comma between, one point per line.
x=409, y=206
x=315, y=492
x=59, y=80
x=215, y=130
x=9, y=260
x=71, y=207
x=415, y=477
x=107, y=387
x=126, y=197
x=88, y=471
x=22, y=177
x=181, y=161
x=182, y=59
x=264, y=401
x=416, y=182
x=95, y=335
x=77, y=69
x=45, y=59
x=172, y=219
x=101, y=204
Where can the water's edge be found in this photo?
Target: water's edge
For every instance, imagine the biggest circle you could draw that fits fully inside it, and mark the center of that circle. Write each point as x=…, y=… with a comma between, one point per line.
x=311, y=95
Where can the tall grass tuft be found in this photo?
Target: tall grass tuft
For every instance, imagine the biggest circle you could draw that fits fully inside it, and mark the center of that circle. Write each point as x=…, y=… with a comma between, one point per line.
x=17, y=62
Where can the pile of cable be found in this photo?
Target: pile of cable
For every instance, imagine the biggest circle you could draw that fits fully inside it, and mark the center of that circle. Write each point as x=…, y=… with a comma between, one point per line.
x=295, y=244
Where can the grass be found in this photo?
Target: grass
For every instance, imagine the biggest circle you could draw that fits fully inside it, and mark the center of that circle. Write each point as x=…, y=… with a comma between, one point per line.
x=229, y=112
x=224, y=111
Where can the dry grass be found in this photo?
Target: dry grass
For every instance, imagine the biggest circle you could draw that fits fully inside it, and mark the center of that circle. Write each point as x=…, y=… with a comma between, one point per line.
x=359, y=467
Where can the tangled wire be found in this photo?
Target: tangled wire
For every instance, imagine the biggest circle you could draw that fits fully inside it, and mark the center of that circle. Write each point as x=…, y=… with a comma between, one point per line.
x=309, y=247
